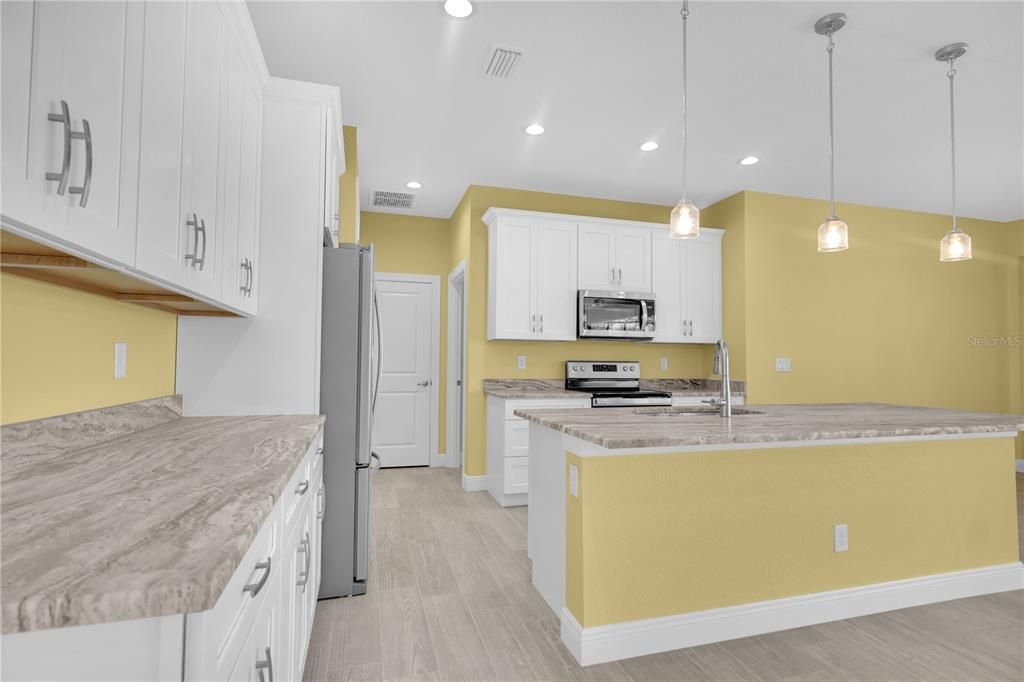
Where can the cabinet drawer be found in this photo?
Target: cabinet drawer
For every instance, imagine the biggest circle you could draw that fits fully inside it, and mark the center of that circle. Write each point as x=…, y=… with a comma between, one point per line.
x=516, y=475
x=544, y=404
x=517, y=438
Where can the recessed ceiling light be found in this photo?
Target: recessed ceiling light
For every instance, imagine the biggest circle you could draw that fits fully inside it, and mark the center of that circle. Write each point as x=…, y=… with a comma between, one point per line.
x=412, y=184
x=460, y=9
x=535, y=129
x=649, y=146
x=749, y=160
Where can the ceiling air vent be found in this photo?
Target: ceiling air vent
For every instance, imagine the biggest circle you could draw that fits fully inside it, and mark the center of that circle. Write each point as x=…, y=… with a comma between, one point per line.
x=502, y=61
x=385, y=199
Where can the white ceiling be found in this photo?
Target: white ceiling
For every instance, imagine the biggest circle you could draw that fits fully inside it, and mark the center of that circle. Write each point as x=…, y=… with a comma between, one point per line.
x=603, y=77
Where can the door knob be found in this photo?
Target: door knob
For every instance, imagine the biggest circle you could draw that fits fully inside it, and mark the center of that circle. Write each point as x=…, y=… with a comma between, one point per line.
x=424, y=384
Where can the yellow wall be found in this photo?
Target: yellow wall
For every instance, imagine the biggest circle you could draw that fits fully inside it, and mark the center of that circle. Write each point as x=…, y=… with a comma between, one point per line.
x=730, y=214
x=348, y=200
x=57, y=350
x=884, y=321
x=420, y=246
x=497, y=359
x=694, y=531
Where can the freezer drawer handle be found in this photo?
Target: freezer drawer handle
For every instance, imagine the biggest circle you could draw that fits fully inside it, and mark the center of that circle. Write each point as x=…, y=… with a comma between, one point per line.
x=302, y=488
x=255, y=587
x=267, y=665
x=374, y=457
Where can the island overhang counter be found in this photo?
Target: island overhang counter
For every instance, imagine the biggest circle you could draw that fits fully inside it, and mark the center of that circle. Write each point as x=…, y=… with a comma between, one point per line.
x=653, y=529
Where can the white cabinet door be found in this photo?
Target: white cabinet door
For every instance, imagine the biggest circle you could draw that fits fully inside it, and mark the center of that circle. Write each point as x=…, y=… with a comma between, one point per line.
x=555, y=273
x=512, y=279
x=667, y=270
x=80, y=55
x=702, y=285
x=161, y=226
x=23, y=187
x=200, y=157
x=597, y=257
x=633, y=259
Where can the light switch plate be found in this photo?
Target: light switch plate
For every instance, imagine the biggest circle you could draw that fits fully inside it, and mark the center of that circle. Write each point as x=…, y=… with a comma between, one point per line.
x=664, y=364
x=120, y=359
x=521, y=362
x=574, y=480
x=782, y=364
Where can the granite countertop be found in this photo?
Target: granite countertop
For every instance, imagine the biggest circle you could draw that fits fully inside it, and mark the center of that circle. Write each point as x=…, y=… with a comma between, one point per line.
x=645, y=427
x=147, y=524
x=531, y=389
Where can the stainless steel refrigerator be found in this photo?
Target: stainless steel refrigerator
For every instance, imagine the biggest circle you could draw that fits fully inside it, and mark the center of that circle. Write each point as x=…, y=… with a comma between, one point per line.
x=349, y=376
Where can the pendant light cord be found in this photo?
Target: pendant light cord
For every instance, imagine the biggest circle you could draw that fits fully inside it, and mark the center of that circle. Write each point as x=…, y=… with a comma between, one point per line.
x=952, y=139
x=685, y=13
x=831, y=134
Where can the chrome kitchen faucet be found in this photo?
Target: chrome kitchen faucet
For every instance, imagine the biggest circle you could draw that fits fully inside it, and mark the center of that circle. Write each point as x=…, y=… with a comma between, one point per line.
x=721, y=367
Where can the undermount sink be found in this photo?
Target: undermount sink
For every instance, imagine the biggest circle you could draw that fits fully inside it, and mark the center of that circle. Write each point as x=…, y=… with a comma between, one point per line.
x=689, y=411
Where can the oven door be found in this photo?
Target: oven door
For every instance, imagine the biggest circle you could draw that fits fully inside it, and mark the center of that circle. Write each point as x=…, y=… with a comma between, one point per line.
x=615, y=315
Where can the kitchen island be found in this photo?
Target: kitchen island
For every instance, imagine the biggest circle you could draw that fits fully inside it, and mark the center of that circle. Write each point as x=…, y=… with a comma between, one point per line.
x=653, y=529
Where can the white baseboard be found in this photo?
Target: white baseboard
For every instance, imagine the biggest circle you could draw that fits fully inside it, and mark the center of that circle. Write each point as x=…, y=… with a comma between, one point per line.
x=474, y=484
x=641, y=637
x=1020, y=465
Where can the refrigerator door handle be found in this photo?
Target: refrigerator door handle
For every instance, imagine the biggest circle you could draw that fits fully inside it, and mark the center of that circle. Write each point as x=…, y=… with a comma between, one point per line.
x=374, y=457
x=380, y=351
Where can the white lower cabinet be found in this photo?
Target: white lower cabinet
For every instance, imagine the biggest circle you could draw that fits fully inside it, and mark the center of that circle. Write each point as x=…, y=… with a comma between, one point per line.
x=508, y=445
x=264, y=617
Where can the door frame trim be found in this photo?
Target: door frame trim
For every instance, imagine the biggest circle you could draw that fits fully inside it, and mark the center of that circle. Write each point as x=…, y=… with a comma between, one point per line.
x=455, y=459
x=435, y=337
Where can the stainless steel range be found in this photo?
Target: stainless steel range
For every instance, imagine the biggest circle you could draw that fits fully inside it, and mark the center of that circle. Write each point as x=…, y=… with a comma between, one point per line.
x=611, y=384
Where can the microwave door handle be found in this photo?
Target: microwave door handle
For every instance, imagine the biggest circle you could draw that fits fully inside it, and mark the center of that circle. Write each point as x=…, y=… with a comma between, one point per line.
x=643, y=314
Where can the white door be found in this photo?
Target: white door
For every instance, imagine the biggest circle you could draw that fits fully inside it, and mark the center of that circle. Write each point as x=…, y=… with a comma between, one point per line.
x=514, y=315
x=556, y=280
x=200, y=159
x=667, y=262
x=161, y=229
x=596, y=261
x=633, y=259
x=402, y=426
x=79, y=57
x=703, y=288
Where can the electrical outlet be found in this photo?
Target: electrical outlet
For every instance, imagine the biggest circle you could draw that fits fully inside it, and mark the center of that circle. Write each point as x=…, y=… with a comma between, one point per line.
x=840, y=538
x=782, y=364
x=574, y=481
x=664, y=364
x=521, y=362
x=120, y=359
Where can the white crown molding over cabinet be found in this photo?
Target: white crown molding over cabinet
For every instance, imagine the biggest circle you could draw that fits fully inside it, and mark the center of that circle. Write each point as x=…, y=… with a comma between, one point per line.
x=162, y=142
x=538, y=261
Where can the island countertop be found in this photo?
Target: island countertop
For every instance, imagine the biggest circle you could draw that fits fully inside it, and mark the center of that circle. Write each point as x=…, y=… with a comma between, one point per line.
x=541, y=389
x=651, y=427
x=147, y=524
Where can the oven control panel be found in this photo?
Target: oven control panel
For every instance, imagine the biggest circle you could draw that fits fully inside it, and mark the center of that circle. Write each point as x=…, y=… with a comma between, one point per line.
x=587, y=369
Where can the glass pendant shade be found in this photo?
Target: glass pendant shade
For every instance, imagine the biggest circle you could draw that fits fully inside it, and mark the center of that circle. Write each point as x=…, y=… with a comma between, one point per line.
x=832, y=236
x=685, y=221
x=956, y=245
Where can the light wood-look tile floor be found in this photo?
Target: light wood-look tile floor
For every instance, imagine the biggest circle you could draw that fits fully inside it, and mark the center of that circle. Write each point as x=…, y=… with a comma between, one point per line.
x=449, y=598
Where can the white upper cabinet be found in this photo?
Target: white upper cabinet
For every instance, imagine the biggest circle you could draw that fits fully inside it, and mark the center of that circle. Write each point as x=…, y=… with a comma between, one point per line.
x=597, y=256
x=555, y=290
x=72, y=123
x=688, y=287
x=160, y=248
x=614, y=257
x=532, y=277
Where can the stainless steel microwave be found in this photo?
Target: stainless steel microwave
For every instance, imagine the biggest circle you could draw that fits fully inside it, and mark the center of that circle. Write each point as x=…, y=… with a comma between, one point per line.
x=615, y=315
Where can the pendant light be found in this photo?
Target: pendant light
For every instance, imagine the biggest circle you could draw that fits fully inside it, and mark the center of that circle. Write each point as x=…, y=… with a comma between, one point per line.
x=832, y=234
x=685, y=221
x=956, y=245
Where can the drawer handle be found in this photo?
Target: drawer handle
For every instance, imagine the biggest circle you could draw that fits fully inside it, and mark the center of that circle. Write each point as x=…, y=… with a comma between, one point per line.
x=62, y=178
x=304, y=576
x=267, y=665
x=302, y=488
x=255, y=587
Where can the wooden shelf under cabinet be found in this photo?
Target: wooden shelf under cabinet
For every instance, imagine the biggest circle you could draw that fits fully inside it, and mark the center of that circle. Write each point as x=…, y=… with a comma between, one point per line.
x=26, y=258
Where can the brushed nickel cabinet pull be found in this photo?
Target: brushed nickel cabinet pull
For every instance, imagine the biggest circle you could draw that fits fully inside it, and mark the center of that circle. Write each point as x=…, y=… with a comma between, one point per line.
x=255, y=587
x=302, y=488
x=201, y=261
x=304, y=576
x=62, y=178
x=194, y=224
x=86, y=135
x=267, y=665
